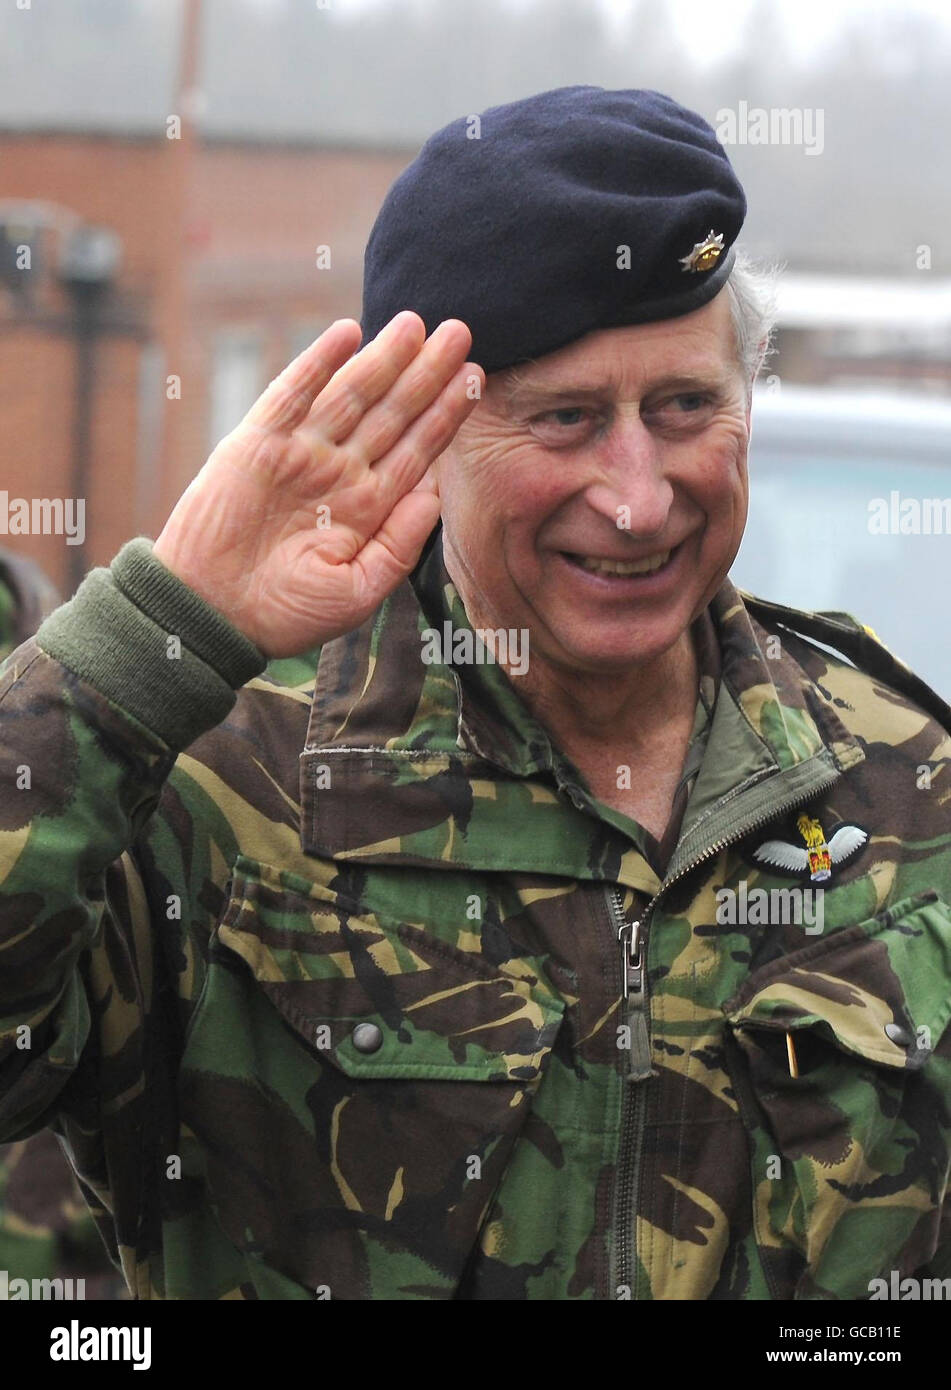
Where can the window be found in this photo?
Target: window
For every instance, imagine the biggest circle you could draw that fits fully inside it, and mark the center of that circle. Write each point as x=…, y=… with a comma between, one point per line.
x=237, y=378
x=302, y=334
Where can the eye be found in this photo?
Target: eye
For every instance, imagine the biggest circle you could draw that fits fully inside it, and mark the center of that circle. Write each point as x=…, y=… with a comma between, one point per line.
x=563, y=427
x=566, y=416
x=688, y=408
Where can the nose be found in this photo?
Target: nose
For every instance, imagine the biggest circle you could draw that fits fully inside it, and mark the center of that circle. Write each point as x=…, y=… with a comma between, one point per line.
x=629, y=486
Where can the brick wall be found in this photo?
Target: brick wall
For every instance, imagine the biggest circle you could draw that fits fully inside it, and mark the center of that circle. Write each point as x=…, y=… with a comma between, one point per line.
x=215, y=240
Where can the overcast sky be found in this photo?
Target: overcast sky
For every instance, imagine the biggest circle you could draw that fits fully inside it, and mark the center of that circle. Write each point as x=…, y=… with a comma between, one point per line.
x=111, y=62
x=707, y=29
x=386, y=73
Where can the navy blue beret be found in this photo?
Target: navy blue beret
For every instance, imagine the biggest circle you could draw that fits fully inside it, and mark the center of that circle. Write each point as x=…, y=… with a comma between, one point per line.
x=544, y=219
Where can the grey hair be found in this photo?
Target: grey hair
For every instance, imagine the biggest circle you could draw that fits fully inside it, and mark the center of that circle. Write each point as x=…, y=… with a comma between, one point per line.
x=751, y=292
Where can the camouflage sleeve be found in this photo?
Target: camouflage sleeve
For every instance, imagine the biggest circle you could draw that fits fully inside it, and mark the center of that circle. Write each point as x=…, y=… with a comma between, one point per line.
x=27, y=596
x=47, y=1231
x=7, y=619
x=93, y=711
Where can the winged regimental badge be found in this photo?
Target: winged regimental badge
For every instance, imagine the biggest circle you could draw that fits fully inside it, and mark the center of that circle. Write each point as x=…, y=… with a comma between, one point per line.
x=818, y=857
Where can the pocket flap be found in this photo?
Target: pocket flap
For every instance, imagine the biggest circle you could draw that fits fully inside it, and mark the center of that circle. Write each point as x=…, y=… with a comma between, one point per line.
x=880, y=990
x=434, y=1011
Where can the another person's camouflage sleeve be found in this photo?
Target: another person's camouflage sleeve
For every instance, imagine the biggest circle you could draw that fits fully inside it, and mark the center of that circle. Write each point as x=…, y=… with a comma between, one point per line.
x=47, y=1232
x=27, y=596
x=8, y=615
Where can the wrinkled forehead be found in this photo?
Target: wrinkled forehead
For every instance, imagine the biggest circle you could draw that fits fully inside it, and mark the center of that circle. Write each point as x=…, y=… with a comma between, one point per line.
x=695, y=349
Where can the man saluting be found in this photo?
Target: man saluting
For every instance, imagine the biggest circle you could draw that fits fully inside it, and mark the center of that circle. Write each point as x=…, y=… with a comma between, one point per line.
x=407, y=979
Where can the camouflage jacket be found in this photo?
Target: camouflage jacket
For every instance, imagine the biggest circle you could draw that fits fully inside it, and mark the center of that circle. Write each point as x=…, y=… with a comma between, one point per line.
x=26, y=597
x=332, y=989
x=46, y=1230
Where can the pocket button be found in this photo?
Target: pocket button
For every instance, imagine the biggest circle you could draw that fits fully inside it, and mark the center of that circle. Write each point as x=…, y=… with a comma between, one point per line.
x=367, y=1037
x=899, y=1036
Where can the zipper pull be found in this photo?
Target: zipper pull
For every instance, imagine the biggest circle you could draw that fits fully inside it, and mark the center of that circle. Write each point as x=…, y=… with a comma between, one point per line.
x=635, y=1000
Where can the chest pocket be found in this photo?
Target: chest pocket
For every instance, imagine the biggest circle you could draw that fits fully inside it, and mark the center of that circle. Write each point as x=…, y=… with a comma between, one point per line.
x=355, y=1086
x=851, y=1156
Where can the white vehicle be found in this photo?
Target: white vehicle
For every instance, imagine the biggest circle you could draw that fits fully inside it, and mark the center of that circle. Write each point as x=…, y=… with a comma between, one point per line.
x=850, y=509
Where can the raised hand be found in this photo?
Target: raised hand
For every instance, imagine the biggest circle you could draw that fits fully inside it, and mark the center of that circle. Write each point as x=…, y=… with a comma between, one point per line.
x=315, y=507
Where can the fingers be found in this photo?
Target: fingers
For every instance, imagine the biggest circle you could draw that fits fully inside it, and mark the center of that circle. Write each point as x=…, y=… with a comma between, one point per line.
x=412, y=391
x=368, y=377
x=390, y=555
x=287, y=400
x=401, y=469
x=428, y=482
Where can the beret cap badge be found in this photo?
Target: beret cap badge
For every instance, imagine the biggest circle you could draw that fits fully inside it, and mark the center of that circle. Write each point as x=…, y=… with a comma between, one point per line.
x=705, y=254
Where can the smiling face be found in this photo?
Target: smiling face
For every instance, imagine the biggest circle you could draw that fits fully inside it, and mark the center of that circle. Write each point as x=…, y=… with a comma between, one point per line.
x=598, y=496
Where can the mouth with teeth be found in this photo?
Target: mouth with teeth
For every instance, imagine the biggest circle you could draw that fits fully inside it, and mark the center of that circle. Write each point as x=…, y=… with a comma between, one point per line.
x=619, y=569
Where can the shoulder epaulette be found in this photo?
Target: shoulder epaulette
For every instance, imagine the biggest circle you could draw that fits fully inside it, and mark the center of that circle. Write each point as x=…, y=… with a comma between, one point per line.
x=860, y=645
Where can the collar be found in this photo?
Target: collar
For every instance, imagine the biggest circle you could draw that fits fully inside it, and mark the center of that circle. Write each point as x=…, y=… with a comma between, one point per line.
x=413, y=758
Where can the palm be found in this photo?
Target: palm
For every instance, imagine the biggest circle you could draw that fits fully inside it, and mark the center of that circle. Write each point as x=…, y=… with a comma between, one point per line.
x=309, y=513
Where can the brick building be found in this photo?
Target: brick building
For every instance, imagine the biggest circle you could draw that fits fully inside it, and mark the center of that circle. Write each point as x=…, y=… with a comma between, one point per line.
x=219, y=283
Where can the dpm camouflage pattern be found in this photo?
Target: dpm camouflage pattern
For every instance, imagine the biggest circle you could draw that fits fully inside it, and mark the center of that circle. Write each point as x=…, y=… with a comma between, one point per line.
x=26, y=597
x=46, y=1229
x=193, y=938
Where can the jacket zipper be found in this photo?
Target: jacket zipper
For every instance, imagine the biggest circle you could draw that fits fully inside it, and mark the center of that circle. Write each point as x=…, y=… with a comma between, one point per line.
x=632, y=938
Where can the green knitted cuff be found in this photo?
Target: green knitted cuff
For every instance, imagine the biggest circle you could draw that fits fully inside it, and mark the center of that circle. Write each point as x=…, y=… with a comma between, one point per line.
x=149, y=643
x=168, y=601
